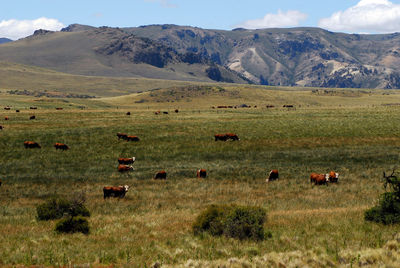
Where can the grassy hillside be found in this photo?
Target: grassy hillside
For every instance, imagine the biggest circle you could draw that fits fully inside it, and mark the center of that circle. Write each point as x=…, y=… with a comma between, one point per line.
x=352, y=132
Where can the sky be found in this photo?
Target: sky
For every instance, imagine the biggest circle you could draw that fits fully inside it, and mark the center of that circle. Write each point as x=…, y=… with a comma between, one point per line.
x=19, y=18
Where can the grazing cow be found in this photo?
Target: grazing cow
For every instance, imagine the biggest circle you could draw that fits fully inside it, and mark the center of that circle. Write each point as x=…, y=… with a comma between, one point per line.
x=273, y=175
x=128, y=113
x=220, y=137
x=33, y=108
x=7, y=108
x=126, y=161
x=0, y=182
x=1, y=127
x=270, y=106
x=119, y=191
x=176, y=111
x=319, y=179
x=124, y=168
x=32, y=117
x=61, y=146
x=333, y=177
x=232, y=136
x=31, y=144
x=122, y=136
x=165, y=112
x=6, y=118
x=157, y=113
x=132, y=138
x=201, y=173
x=59, y=108
x=161, y=175
x=17, y=111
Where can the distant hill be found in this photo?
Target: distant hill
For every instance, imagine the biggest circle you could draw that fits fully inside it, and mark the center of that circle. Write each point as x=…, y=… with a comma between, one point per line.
x=5, y=40
x=108, y=51
x=291, y=57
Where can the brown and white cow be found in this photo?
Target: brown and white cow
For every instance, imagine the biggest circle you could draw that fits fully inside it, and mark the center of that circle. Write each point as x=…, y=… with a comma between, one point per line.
x=319, y=179
x=122, y=135
x=161, y=175
x=7, y=108
x=132, y=138
x=273, y=175
x=126, y=161
x=201, y=173
x=6, y=118
x=124, y=168
x=61, y=146
x=115, y=191
x=333, y=177
x=31, y=144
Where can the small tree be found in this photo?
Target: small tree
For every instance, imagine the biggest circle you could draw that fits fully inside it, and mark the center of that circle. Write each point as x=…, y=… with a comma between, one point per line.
x=388, y=209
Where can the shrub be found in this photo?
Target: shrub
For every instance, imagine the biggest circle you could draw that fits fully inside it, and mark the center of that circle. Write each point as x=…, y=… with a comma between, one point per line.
x=388, y=209
x=73, y=225
x=233, y=221
x=56, y=208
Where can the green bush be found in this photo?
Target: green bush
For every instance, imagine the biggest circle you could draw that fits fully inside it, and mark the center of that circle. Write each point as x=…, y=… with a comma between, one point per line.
x=388, y=209
x=73, y=225
x=56, y=208
x=233, y=221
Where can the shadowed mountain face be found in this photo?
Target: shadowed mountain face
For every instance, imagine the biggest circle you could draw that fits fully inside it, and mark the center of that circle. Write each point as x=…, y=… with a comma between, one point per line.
x=289, y=57
x=298, y=56
x=108, y=51
x=5, y=40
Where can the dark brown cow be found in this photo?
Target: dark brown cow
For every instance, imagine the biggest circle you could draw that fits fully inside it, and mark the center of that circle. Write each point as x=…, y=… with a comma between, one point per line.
x=17, y=111
x=33, y=108
x=112, y=191
x=201, y=173
x=122, y=136
x=176, y=111
x=232, y=136
x=0, y=182
x=273, y=175
x=220, y=137
x=31, y=144
x=319, y=179
x=161, y=175
x=1, y=127
x=132, y=138
x=6, y=118
x=59, y=108
x=165, y=112
x=128, y=113
x=126, y=161
x=270, y=106
x=7, y=108
x=61, y=146
x=124, y=168
x=32, y=117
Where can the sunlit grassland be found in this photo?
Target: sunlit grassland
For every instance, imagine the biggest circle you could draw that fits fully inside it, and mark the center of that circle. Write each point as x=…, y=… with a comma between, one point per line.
x=355, y=136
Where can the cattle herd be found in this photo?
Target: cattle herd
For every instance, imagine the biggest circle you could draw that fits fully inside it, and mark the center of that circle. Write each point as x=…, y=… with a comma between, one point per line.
x=125, y=164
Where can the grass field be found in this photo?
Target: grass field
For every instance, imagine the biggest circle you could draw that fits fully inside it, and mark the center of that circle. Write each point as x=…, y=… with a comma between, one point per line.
x=356, y=133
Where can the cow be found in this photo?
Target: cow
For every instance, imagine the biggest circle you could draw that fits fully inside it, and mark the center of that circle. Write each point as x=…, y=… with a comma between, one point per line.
x=220, y=137
x=126, y=161
x=6, y=118
x=122, y=136
x=273, y=175
x=201, y=173
x=61, y=146
x=132, y=138
x=31, y=144
x=1, y=127
x=112, y=191
x=157, y=113
x=32, y=117
x=176, y=111
x=232, y=136
x=165, y=112
x=270, y=106
x=124, y=168
x=161, y=175
x=319, y=179
x=33, y=108
x=59, y=108
x=333, y=177
x=7, y=108
x=128, y=113
x=0, y=182
x=17, y=111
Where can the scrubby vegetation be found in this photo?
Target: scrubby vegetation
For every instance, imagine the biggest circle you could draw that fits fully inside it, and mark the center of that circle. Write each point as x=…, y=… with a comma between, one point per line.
x=73, y=225
x=241, y=222
x=56, y=208
x=388, y=209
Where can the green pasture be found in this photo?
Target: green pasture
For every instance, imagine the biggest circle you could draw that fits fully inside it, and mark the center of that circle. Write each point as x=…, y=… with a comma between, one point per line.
x=357, y=135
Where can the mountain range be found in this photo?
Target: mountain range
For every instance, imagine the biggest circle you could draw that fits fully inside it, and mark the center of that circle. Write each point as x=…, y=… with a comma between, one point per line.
x=286, y=57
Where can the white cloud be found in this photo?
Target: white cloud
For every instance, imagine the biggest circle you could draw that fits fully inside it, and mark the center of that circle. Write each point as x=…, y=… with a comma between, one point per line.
x=372, y=16
x=289, y=18
x=164, y=3
x=15, y=29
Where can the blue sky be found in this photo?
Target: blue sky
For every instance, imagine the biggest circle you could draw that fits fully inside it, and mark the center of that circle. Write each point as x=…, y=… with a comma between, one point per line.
x=19, y=18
